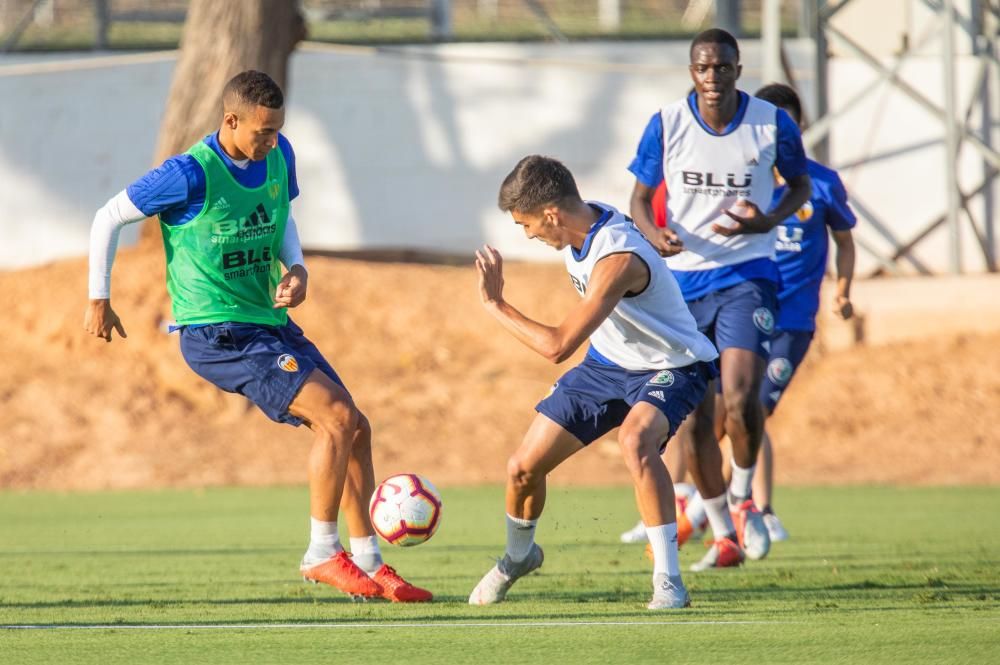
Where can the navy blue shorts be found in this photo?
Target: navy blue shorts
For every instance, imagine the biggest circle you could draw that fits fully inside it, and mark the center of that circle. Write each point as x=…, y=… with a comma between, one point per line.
x=592, y=399
x=788, y=348
x=267, y=365
x=740, y=316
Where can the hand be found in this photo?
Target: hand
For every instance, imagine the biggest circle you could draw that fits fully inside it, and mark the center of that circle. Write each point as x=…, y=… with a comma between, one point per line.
x=489, y=265
x=100, y=320
x=667, y=243
x=291, y=290
x=748, y=217
x=842, y=307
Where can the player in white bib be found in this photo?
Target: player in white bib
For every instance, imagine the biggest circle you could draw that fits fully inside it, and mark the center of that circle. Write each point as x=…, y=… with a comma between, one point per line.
x=717, y=149
x=646, y=369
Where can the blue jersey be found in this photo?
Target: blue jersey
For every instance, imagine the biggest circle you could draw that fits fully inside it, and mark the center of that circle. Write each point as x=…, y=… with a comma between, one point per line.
x=175, y=190
x=706, y=173
x=802, y=247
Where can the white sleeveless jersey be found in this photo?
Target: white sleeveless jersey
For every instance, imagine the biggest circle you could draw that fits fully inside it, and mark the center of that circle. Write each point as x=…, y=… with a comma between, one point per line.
x=650, y=330
x=706, y=173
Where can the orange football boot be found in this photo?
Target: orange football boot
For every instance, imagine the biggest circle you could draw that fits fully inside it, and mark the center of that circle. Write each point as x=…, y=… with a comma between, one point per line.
x=341, y=573
x=398, y=590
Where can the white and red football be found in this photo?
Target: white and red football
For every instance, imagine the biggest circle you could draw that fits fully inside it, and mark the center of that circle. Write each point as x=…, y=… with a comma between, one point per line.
x=405, y=509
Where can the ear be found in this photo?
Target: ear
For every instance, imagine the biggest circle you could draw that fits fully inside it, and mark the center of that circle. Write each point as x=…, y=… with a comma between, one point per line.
x=739, y=71
x=552, y=214
x=230, y=119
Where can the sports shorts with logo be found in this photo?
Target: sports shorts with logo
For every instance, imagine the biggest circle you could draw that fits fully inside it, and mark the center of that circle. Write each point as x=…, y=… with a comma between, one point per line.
x=740, y=316
x=593, y=398
x=268, y=365
x=788, y=348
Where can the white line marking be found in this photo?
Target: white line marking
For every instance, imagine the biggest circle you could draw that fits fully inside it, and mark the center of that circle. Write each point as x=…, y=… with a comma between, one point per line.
x=368, y=626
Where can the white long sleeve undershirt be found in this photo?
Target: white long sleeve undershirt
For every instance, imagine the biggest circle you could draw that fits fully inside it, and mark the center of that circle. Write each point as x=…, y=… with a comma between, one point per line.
x=120, y=211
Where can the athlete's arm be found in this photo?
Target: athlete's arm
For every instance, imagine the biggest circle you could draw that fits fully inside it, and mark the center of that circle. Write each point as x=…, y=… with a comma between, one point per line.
x=291, y=290
x=790, y=160
x=164, y=188
x=845, y=273
x=647, y=167
x=100, y=319
x=666, y=242
x=614, y=276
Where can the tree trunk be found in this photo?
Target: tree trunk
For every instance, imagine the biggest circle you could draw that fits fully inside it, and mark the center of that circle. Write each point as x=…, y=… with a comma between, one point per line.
x=220, y=40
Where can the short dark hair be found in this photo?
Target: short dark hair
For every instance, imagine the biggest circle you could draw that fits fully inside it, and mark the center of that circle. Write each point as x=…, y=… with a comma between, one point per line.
x=714, y=36
x=535, y=182
x=783, y=96
x=250, y=89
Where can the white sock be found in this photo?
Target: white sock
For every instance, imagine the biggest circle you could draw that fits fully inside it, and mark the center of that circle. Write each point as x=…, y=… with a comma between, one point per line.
x=366, y=554
x=663, y=541
x=324, y=541
x=684, y=489
x=740, y=484
x=520, y=537
x=695, y=511
x=719, y=518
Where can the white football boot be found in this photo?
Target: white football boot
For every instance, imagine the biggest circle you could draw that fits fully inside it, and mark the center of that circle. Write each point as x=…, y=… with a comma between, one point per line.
x=497, y=582
x=669, y=593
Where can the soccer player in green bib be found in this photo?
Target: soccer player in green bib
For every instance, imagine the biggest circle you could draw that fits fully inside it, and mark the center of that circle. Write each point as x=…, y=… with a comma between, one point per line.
x=225, y=214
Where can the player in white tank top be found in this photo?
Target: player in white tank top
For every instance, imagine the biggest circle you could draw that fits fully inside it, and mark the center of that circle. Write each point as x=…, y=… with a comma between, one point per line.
x=647, y=369
x=649, y=330
x=716, y=149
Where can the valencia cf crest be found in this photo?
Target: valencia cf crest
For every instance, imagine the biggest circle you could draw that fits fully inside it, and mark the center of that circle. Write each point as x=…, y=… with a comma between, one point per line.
x=805, y=213
x=288, y=363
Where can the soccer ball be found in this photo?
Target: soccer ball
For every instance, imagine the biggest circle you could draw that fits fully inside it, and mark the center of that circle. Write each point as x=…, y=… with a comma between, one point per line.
x=405, y=509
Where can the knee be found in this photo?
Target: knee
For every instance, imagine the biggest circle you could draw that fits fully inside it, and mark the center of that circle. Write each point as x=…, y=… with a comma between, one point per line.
x=340, y=417
x=738, y=402
x=363, y=436
x=520, y=475
x=637, y=447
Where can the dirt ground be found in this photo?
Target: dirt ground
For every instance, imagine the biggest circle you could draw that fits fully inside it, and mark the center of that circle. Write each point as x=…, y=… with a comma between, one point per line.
x=448, y=392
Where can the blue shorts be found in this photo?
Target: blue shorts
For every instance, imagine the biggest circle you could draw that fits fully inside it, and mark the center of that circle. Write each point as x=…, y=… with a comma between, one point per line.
x=265, y=364
x=788, y=348
x=593, y=398
x=739, y=316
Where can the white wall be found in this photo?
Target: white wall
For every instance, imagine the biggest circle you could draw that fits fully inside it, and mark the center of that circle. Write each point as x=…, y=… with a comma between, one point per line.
x=406, y=147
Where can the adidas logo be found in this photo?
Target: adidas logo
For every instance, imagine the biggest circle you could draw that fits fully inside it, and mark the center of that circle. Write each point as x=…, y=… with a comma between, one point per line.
x=658, y=394
x=766, y=345
x=753, y=162
x=774, y=395
x=221, y=204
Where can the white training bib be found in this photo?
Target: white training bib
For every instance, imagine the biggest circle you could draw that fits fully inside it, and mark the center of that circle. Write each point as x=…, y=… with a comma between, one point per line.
x=706, y=173
x=647, y=331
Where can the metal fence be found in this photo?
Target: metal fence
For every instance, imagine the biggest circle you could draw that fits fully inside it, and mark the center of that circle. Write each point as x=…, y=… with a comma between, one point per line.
x=147, y=24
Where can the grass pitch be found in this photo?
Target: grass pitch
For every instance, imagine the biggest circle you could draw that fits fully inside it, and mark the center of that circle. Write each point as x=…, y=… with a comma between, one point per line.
x=871, y=574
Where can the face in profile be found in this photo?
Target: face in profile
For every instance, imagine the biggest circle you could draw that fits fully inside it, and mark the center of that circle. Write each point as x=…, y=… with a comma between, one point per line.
x=540, y=226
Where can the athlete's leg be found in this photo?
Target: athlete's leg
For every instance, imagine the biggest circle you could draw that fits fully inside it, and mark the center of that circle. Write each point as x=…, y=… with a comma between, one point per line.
x=640, y=438
x=545, y=446
x=327, y=408
x=360, y=483
x=763, y=480
x=704, y=459
x=676, y=463
x=744, y=419
x=330, y=413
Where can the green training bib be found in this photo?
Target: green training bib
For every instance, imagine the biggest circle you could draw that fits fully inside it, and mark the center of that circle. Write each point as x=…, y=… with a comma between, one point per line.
x=223, y=264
